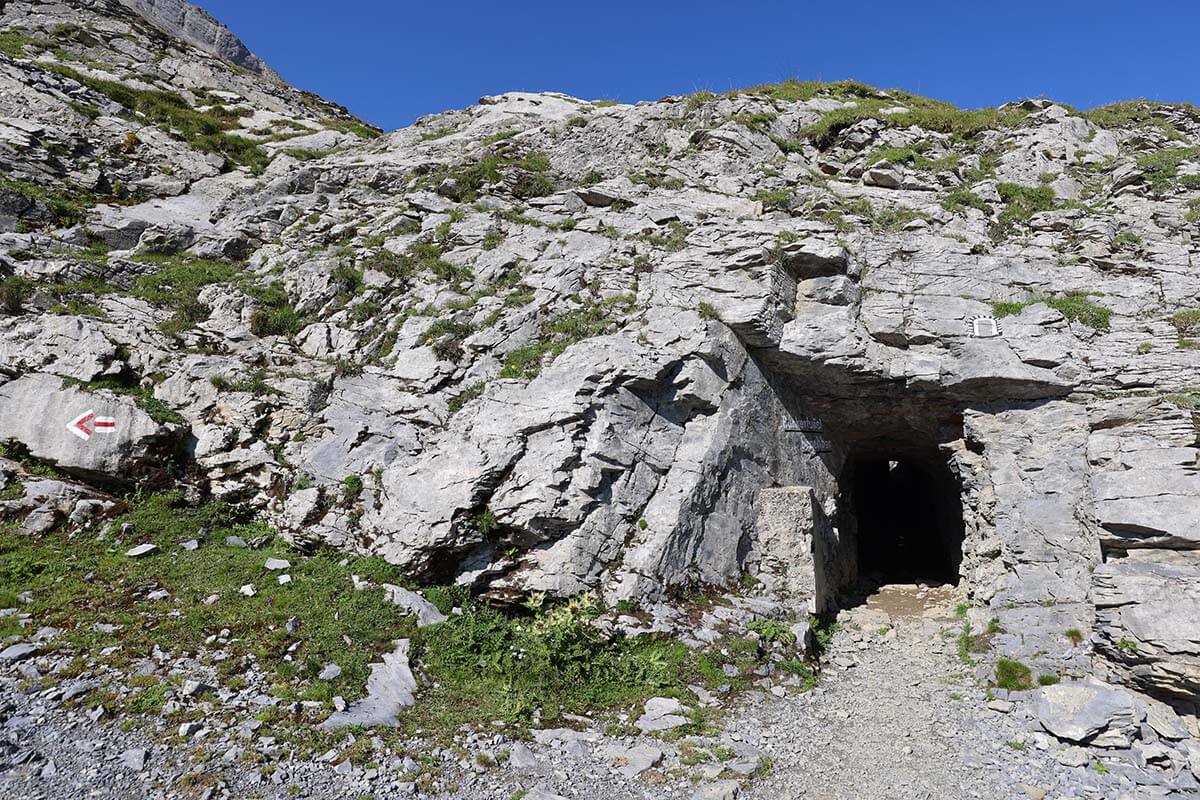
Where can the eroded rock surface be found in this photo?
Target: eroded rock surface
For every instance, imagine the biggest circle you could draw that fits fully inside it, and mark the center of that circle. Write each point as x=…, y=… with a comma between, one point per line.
x=546, y=345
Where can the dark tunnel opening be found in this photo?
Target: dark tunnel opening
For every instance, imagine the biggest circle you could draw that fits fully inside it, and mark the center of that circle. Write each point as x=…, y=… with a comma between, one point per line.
x=908, y=516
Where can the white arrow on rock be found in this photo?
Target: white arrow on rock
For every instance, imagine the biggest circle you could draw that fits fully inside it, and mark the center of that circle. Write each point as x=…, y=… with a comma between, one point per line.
x=88, y=423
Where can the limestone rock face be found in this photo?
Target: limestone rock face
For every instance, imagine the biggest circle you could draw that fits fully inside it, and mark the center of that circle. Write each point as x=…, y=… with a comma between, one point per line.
x=118, y=442
x=197, y=27
x=549, y=345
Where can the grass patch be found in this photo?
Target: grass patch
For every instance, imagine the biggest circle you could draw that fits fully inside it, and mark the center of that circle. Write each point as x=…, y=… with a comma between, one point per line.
x=1020, y=204
x=275, y=315
x=177, y=283
x=1126, y=241
x=490, y=666
x=446, y=336
x=673, y=240
x=144, y=398
x=15, y=290
x=1130, y=113
x=421, y=257
x=79, y=582
x=65, y=206
x=775, y=200
x=527, y=175
x=772, y=630
x=255, y=383
x=1075, y=306
x=1161, y=168
x=958, y=199
x=206, y=131
x=459, y=401
x=585, y=322
x=924, y=113
x=1187, y=324
x=1013, y=675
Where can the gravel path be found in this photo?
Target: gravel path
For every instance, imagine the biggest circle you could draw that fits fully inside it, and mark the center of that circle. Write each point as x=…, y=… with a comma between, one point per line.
x=886, y=722
x=897, y=716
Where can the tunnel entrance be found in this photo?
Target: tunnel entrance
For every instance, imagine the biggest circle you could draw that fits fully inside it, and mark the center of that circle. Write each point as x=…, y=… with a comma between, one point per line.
x=907, y=516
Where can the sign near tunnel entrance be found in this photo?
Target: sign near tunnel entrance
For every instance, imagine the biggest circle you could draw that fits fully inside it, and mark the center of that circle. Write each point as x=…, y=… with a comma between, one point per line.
x=984, y=327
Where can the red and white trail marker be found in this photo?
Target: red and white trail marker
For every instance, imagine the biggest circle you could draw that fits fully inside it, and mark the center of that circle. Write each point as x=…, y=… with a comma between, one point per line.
x=88, y=423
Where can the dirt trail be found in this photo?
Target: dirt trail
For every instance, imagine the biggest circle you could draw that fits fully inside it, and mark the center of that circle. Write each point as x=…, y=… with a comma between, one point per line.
x=896, y=714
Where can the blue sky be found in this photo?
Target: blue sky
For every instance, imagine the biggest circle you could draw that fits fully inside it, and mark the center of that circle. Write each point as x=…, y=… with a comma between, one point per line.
x=393, y=61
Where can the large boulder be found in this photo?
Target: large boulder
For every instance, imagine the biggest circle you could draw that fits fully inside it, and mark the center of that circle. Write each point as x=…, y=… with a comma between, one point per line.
x=118, y=443
x=1088, y=712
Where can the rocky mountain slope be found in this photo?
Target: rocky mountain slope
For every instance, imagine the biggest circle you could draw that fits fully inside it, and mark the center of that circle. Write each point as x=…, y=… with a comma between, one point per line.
x=543, y=346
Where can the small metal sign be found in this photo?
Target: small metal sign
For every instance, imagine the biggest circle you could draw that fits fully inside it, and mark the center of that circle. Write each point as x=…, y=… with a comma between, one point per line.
x=983, y=327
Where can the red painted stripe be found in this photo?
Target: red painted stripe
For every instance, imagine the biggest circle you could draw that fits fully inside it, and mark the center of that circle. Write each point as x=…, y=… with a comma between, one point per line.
x=100, y=424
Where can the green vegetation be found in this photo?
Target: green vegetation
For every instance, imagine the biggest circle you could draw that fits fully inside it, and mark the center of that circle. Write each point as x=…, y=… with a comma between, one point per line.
x=1130, y=113
x=420, y=257
x=1187, y=324
x=14, y=42
x=275, y=315
x=963, y=640
x=1020, y=204
x=177, y=283
x=930, y=115
x=352, y=487
x=913, y=156
x=1047, y=680
x=1074, y=635
x=708, y=311
x=489, y=666
x=673, y=240
x=1075, y=306
x=437, y=133
x=1013, y=675
x=551, y=662
x=446, y=337
x=528, y=175
x=15, y=290
x=893, y=218
x=772, y=630
x=159, y=411
x=78, y=582
x=585, y=322
x=354, y=126
x=759, y=121
x=14, y=451
x=959, y=198
x=255, y=383
x=1161, y=167
x=468, y=394
x=1188, y=398
x=1126, y=240
x=302, y=154
x=775, y=200
x=204, y=130
x=66, y=206
x=1193, y=212
x=657, y=181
